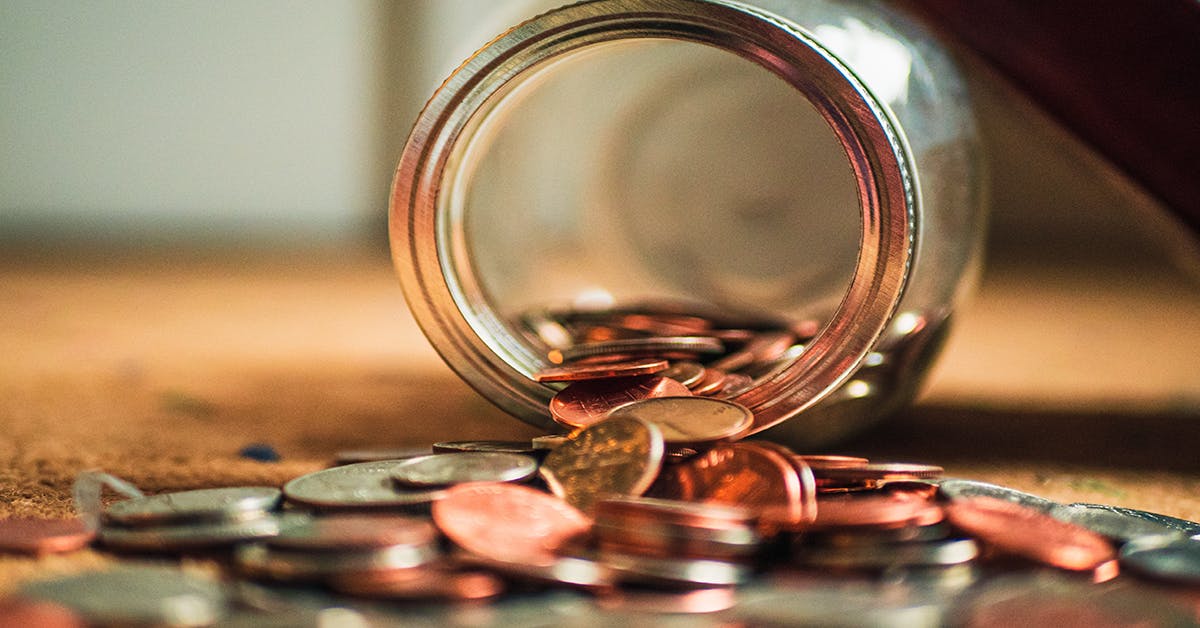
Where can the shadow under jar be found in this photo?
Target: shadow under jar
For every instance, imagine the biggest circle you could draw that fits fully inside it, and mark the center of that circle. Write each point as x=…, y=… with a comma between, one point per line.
x=771, y=165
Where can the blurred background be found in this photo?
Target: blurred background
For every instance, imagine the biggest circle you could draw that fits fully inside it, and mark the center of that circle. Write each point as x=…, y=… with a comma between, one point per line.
x=270, y=122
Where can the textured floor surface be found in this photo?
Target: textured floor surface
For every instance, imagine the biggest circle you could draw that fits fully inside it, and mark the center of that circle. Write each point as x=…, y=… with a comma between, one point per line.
x=159, y=368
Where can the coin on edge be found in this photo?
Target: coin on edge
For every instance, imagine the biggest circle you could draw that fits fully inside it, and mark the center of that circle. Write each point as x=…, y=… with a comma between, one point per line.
x=691, y=420
x=620, y=456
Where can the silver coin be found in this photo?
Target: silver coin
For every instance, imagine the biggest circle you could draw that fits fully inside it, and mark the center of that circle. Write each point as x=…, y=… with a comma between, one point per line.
x=209, y=504
x=1183, y=526
x=1171, y=558
x=355, y=456
x=889, y=555
x=820, y=601
x=690, y=420
x=697, y=572
x=571, y=571
x=449, y=469
x=1112, y=523
x=353, y=532
x=365, y=485
x=485, y=446
x=136, y=595
x=260, y=561
x=189, y=536
x=544, y=444
x=955, y=488
x=642, y=346
x=875, y=536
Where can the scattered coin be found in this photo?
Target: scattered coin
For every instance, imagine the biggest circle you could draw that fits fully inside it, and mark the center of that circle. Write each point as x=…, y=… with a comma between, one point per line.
x=508, y=522
x=43, y=536
x=833, y=462
x=209, y=504
x=685, y=372
x=1183, y=526
x=199, y=535
x=21, y=613
x=286, y=565
x=485, y=446
x=542, y=444
x=1168, y=558
x=893, y=509
x=956, y=488
x=620, y=456
x=1114, y=525
x=691, y=420
x=447, y=469
x=1030, y=533
x=583, y=403
x=689, y=572
x=890, y=555
x=331, y=533
x=365, y=485
x=355, y=456
x=136, y=595
x=569, y=571
x=695, y=601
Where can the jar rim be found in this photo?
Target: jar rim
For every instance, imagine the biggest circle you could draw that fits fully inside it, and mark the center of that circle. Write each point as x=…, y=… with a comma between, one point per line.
x=875, y=149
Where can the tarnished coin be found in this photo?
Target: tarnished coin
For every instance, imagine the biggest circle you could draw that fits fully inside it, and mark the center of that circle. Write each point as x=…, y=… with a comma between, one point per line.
x=365, y=485
x=355, y=456
x=208, y=504
x=632, y=347
x=615, y=457
x=1111, y=523
x=485, y=446
x=584, y=403
x=448, y=469
x=956, y=488
x=890, y=555
x=260, y=561
x=43, y=536
x=579, y=372
x=691, y=420
x=354, y=532
x=136, y=596
x=508, y=522
x=1031, y=533
x=742, y=474
x=1169, y=558
x=687, y=572
x=419, y=584
x=1183, y=526
x=191, y=536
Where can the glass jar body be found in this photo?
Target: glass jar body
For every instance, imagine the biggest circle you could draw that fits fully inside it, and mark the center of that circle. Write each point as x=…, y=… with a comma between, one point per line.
x=766, y=158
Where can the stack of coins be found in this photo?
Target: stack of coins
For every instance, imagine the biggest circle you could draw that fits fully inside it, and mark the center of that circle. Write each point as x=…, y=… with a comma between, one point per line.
x=193, y=520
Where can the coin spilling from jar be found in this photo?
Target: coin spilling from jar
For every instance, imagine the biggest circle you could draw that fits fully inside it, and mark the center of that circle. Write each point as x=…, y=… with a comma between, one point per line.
x=653, y=500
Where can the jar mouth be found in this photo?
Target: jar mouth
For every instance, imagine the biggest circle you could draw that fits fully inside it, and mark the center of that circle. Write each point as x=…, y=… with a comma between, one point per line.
x=426, y=219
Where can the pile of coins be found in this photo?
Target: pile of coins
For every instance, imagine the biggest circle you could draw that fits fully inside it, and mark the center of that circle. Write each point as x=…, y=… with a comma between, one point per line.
x=654, y=501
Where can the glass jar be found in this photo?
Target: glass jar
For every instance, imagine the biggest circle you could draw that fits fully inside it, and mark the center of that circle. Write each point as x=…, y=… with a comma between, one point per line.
x=806, y=161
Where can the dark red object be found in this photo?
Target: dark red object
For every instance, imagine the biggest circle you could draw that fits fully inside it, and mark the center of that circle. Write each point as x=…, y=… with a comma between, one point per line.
x=1120, y=75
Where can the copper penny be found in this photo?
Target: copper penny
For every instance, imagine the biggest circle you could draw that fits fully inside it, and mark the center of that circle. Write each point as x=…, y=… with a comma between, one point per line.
x=747, y=475
x=685, y=372
x=43, y=536
x=886, y=510
x=618, y=456
x=833, y=462
x=876, y=472
x=354, y=532
x=691, y=420
x=508, y=522
x=583, y=403
x=656, y=346
x=1030, y=533
x=710, y=383
x=777, y=518
x=579, y=372
x=664, y=324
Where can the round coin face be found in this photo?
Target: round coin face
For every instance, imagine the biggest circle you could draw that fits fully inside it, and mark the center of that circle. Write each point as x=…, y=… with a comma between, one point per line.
x=136, y=596
x=1030, y=533
x=447, y=469
x=43, y=536
x=508, y=522
x=203, y=504
x=356, y=486
x=584, y=403
x=618, y=456
x=742, y=474
x=355, y=532
x=691, y=420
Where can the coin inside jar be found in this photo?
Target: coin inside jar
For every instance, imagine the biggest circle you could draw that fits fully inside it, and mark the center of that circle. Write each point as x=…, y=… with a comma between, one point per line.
x=584, y=403
x=691, y=420
x=447, y=469
x=578, y=372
